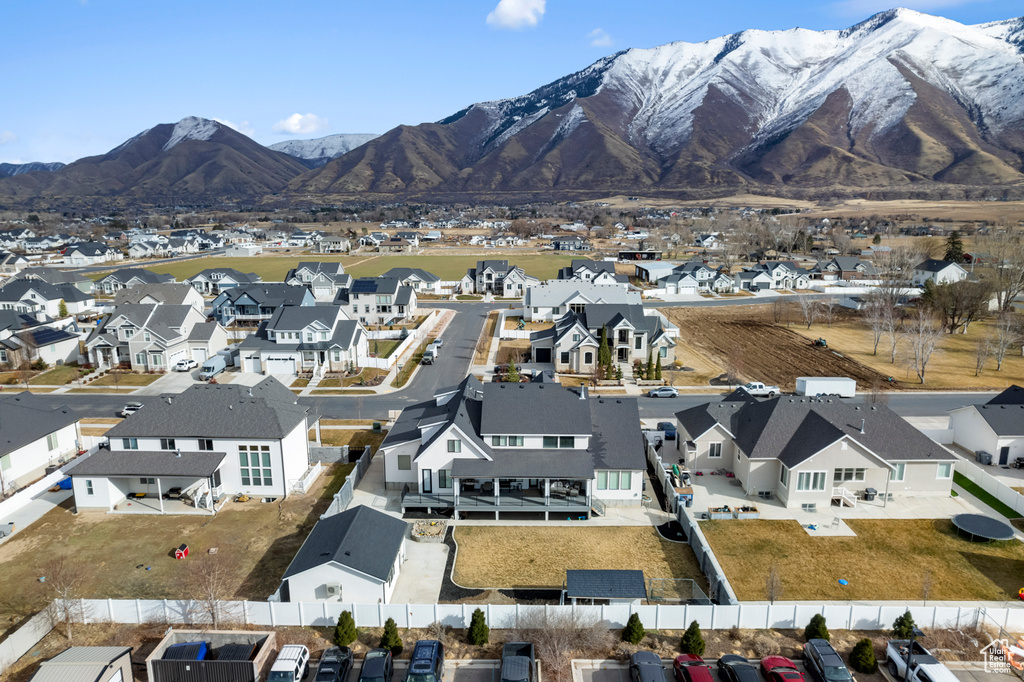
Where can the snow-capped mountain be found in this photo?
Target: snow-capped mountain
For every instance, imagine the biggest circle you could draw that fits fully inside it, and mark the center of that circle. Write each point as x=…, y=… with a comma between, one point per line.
x=902, y=102
x=316, y=153
x=8, y=170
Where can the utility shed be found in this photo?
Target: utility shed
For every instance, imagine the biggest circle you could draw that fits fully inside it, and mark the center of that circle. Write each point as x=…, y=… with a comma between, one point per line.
x=225, y=660
x=88, y=664
x=612, y=587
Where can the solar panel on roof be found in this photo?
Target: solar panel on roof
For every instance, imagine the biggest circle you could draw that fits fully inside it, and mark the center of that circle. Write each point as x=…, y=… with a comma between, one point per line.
x=49, y=335
x=364, y=286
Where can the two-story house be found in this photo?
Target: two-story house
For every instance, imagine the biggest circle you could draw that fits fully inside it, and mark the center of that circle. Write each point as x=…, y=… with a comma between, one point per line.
x=497, y=277
x=809, y=453
x=707, y=241
x=167, y=293
x=844, y=268
x=323, y=279
x=127, y=278
x=58, y=277
x=150, y=336
x=295, y=339
x=421, y=281
x=784, y=274
x=91, y=253
x=550, y=300
x=573, y=243
x=497, y=448
x=632, y=332
x=333, y=243
x=938, y=272
x=35, y=435
x=595, y=271
x=378, y=300
x=27, y=343
x=12, y=263
x=212, y=281
x=204, y=445
x=249, y=305
x=41, y=298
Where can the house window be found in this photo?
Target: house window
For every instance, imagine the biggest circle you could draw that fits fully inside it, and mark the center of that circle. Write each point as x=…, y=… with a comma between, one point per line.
x=51, y=441
x=567, y=441
x=588, y=358
x=499, y=441
x=88, y=487
x=129, y=333
x=336, y=355
x=404, y=462
x=157, y=358
x=309, y=336
x=810, y=480
x=323, y=336
x=166, y=443
x=784, y=477
x=444, y=478
x=614, y=480
x=147, y=337
x=254, y=461
x=3, y=356
x=638, y=342
x=901, y=472
x=551, y=441
x=454, y=445
x=206, y=444
x=563, y=357
x=130, y=443
x=147, y=481
x=714, y=450
x=945, y=470
x=663, y=351
x=140, y=359
x=5, y=463
x=575, y=337
x=843, y=475
x=623, y=336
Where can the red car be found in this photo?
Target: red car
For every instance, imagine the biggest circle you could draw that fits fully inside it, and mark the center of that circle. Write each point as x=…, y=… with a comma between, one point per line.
x=780, y=669
x=691, y=668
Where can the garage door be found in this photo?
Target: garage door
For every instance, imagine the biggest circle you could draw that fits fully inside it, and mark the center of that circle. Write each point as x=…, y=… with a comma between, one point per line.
x=199, y=355
x=542, y=354
x=251, y=364
x=177, y=355
x=280, y=366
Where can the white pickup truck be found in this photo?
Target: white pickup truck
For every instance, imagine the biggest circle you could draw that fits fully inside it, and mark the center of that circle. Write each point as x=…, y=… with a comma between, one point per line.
x=756, y=388
x=923, y=666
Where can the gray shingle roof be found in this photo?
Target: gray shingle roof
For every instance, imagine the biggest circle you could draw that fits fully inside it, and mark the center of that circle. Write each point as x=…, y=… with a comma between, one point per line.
x=141, y=274
x=405, y=273
x=25, y=418
x=170, y=293
x=531, y=409
x=1006, y=419
x=149, y=463
x=933, y=265
x=605, y=584
x=1014, y=395
x=360, y=538
x=53, y=275
x=219, y=411
x=554, y=463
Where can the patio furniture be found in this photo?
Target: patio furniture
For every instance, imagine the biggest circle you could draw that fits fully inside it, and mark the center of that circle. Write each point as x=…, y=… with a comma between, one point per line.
x=488, y=486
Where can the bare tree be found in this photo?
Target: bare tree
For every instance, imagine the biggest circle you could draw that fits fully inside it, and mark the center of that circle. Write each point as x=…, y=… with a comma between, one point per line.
x=981, y=352
x=875, y=319
x=64, y=579
x=957, y=303
x=1006, y=248
x=773, y=584
x=923, y=333
x=209, y=580
x=840, y=240
x=779, y=306
x=809, y=309
x=892, y=327
x=876, y=396
x=926, y=586
x=896, y=273
x=828, y=309
x=1004, y=334
x=560, y=637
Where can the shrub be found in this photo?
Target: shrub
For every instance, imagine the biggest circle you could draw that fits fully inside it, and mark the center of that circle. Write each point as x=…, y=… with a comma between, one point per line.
x=816, y=629
x=693, y=640
x=634, y=630
x=439, y=631
x=903, y=626
x=862, y=658
x=391, y=639
x=766, y=646
x=40, y=364
x=478, y=633
x=345, y=631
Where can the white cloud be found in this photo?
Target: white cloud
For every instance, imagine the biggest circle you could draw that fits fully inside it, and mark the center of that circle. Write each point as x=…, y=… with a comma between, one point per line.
x=242, y=127
x=600, y=38
x=7, y=137
x=516, y=13
x=298, y=124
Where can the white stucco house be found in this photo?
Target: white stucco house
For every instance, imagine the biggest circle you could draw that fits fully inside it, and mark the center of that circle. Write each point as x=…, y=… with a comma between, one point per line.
x=550, y=300
x=997, y=427
x=938, y=272
x=35, y=435
x=496, y=277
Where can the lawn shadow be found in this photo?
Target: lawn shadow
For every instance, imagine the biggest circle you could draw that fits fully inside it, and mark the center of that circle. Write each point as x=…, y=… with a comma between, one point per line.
x=1004, y=572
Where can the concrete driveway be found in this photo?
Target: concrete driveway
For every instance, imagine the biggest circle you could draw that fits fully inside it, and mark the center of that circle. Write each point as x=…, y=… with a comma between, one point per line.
x=421, y=576
x=172, y=382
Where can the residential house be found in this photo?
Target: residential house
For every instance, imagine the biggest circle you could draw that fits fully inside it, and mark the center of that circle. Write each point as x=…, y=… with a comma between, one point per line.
x=421, y=281
x=938, y=272
x=784, y=274
x=378, y=300
x=550, y=300
x=573, y=243
x=334, y=244
x=91, y=253
x=35, y=436
x=497, y=277
x=752, y=280
x=353, y=557
x=653, y=271
x=845, y=268
x=633, y=332
x=499, y=447
x=12, y=263
x=295, y=339
x=255, y=303
x=244, y=250
x=150, y=336
x=809, y=453
x=28, y=343
x=210, y=442
x=679, y=283
x=323, y=279
x=394, y=245
x=167, y=293
x=707, y=241
x=596, y=271
x=212, y=281
x=410, y=236
x=148, y=249
x=41, y=298
x=708, y=278
x=88, y=664
x=373, y=239
x=997, y=427
x=58, y=277
x=129, y=277
x=432, y=236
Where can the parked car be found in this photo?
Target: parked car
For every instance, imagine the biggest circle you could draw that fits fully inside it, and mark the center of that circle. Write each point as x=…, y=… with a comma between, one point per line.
x=377, y=666
x=669, y=429
x=335, y=665
x=427, y=662
x=780, y=669
x=691, y=668
x=185, y=365
x=822, y=661
x=663, y=392
x=439, y=342
x=645, y=666
x=760, y=389
x=923, y=666
x=517, y=662
x=130, y=408
x=734, y=668
x=291, y=665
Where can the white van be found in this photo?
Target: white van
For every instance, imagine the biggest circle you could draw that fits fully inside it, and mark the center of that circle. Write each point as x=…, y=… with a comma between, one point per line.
x=292, y=664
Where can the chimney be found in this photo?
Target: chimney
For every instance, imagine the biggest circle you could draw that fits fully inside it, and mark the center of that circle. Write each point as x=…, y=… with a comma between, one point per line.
x=862, y=422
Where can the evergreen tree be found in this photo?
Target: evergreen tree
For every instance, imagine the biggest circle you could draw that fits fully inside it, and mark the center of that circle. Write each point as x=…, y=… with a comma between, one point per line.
x=877, y=239
x=618, y=372
x=345, y=631
x=513, y=373
x=862, y=658
x=649, y=371
x=604, y=354
x=657, y=368
x=816, y=629
x=954, y=248
x=391, y=639
x=634, y=630
x=62, y=309
x=478, y=634
x=693, y=641
x=903, y=626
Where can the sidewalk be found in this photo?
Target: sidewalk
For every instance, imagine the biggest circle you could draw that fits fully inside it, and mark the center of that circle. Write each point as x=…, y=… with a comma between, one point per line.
x=34, y=510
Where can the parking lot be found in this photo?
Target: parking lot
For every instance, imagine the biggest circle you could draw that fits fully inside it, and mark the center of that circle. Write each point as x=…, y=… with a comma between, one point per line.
x=455, y=671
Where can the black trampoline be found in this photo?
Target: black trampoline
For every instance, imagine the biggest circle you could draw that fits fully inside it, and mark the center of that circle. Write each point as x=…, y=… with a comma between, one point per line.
x=979, y=527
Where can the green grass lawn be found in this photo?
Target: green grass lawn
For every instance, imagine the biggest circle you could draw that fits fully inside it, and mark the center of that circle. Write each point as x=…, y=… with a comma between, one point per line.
x=125, y=379
x=989, y=499
x=57, y=376
x=383, y=348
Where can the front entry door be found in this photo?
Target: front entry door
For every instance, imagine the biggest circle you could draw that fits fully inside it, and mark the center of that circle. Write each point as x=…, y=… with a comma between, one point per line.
x=623, y=354
x=427, y=484
x=1004, y=455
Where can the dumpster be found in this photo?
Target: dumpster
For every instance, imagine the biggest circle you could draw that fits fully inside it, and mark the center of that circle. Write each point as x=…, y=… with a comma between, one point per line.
x=869, y=494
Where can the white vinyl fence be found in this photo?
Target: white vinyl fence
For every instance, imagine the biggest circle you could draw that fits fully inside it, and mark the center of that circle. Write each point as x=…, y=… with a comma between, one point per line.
x=511, y=333
x=415, y=337
x=1002, y=492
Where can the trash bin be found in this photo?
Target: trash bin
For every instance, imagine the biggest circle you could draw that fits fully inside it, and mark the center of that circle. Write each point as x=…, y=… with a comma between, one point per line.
x=869, y=494
x=983, y=457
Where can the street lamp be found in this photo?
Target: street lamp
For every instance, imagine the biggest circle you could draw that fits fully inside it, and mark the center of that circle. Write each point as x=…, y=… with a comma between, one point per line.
x=915, y=632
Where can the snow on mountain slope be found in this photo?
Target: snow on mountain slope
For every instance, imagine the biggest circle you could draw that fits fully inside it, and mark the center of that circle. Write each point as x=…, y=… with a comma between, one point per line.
x=324, y=148
x=191, y=128
x=9, y=170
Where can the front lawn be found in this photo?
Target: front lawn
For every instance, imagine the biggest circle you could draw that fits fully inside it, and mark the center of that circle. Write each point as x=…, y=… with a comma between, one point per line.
x=58, y=376
x=354, y=438
x=888, y=560
x=125, y=379
x=537, y=557
x=383, y=348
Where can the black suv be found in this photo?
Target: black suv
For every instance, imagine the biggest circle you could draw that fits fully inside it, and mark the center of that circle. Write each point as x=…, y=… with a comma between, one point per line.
x=377, y=666
x=645, y=666
x=734, y=668
x=335, y=665
x=427, y=662
x=822, y=661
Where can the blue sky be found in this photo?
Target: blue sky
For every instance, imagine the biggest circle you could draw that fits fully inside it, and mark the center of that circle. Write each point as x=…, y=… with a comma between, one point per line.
x=79, y=77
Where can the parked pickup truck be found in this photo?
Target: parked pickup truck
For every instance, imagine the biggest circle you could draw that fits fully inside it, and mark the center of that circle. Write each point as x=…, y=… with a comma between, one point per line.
x=756, y=388
x=517, y=662
x=923, y=666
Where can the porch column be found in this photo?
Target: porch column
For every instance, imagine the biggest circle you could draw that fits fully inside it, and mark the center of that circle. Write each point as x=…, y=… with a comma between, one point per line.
x=589, y=502
x=547, y=491
x=497, y=498
x=318, y=432
x=160, y=495
x=456, y=488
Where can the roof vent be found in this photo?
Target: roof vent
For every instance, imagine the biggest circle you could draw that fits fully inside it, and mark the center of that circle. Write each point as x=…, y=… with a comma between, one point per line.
x=862, y=422
x=231, y=407
x=348, y=553
x=250, y=392
x=177, y=453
